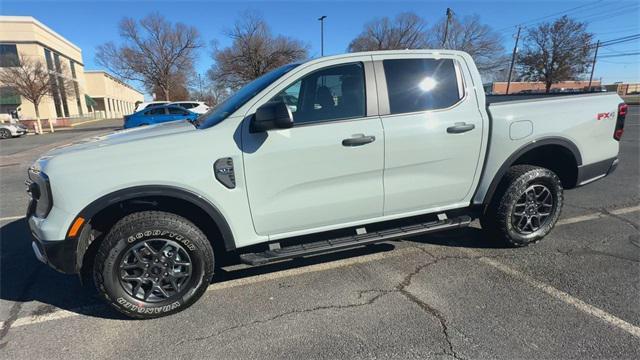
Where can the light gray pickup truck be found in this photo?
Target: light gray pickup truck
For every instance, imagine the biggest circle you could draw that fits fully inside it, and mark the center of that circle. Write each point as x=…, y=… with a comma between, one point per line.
x=330, y=154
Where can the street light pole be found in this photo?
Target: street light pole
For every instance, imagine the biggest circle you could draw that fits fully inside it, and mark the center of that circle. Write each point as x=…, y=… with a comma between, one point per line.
x=321, y=18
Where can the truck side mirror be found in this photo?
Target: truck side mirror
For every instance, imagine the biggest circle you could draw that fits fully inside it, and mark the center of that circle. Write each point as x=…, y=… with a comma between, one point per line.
x=272, y=115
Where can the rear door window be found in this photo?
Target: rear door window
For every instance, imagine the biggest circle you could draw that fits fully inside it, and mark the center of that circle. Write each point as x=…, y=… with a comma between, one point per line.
x=177, y=111
x=421, y=84
x=156, y=111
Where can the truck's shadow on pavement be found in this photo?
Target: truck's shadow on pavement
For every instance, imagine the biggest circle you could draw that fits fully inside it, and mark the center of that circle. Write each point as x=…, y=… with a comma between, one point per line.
x=23, y=278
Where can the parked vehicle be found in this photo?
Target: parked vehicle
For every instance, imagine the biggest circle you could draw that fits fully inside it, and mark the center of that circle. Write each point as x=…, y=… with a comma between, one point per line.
x=149, y=104
x=380, y=145
x=158, y=114
x=11, y=130
x=197, y=107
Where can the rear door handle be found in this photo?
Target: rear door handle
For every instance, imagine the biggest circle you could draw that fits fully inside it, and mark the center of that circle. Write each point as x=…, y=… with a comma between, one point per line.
x=459, y=128
x=358, y=140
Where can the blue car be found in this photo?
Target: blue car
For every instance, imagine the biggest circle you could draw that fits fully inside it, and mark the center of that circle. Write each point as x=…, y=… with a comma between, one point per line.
x=158, y=114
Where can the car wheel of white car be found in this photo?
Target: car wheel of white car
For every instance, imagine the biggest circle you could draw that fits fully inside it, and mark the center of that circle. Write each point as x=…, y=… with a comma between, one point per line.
x=5, y=134
x=153, y=264
x=526, y=206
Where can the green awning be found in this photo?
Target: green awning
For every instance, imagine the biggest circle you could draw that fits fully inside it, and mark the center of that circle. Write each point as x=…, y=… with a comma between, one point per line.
x=89, y=100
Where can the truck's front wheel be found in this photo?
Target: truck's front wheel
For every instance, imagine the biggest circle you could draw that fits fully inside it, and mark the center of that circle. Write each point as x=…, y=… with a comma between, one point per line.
x=526, y=206
x=153, y=264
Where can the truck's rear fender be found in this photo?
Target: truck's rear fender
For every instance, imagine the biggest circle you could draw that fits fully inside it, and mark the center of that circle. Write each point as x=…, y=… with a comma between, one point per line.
x=557, y=154
x=104, y=212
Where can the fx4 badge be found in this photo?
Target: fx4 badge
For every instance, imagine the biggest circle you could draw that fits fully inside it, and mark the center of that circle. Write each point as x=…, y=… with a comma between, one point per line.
x=606, y=115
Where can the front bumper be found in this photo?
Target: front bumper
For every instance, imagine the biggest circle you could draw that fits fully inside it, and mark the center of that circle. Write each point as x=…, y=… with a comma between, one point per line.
x=59, y=254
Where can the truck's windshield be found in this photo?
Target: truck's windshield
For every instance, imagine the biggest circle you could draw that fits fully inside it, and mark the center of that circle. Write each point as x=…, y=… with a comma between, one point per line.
x=233, y=103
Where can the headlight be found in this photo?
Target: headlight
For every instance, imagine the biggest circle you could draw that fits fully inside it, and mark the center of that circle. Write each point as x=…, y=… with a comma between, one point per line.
x=40, y=191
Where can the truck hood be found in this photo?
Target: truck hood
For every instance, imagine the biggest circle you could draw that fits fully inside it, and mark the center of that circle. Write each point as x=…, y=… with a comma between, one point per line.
x=125, y=136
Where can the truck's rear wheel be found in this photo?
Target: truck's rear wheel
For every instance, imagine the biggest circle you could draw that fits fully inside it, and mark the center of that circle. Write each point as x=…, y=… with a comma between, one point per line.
x=526, y=206
x=153, y=264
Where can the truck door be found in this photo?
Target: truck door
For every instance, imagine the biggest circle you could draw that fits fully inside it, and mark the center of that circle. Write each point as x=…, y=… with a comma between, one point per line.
x=433, y=132
x=327, y=168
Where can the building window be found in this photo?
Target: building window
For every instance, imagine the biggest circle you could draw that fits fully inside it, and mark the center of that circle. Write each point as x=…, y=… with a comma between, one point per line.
x=9, y=55
x=78, y=102
x=54, y=84
x=73, y=68
x=63, y=95
x=47, y=56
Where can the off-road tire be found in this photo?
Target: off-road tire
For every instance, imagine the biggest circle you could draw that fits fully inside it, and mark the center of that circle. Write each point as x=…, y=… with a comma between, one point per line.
x=148, y=226
x=497, y=219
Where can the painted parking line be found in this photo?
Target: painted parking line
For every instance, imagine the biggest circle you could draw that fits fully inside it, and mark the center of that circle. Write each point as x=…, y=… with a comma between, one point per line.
x=597, y=215
x=560, y=295
x=62, y=314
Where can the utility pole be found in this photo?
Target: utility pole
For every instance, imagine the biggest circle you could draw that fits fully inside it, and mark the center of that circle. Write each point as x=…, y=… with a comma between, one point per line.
x=446, y=26
x=321, y=18
x=200, y=85
x=513, y=60
x=593, y=66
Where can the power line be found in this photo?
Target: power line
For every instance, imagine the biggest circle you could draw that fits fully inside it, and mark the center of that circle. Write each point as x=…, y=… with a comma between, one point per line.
x=605, y=15
x=622, y=54
x=618, y=63
x=564, y=12
x=621, y=30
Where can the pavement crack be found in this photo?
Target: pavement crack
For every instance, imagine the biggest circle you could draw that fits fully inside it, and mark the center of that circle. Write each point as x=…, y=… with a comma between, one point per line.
x=402, y=289
x=371, y=300
x=435, y=313
x=589, y=251
x=621, y=218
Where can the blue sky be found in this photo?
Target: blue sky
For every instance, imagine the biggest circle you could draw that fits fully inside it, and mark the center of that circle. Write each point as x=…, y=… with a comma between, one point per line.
x=90, y=23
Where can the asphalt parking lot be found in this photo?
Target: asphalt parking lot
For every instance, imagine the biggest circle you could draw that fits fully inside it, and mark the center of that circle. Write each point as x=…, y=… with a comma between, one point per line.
x=450, y=295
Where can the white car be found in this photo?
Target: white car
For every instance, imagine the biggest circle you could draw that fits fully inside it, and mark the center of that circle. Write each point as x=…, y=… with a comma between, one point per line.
x=148, y=104
x=197, y=107
x=11, y=130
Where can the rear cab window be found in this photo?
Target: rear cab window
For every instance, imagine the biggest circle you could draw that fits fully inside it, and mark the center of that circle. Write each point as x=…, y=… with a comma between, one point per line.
x=415, y=85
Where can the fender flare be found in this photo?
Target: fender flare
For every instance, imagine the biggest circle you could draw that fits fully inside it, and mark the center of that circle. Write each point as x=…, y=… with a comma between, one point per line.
x=153, y=190
x=563, y=142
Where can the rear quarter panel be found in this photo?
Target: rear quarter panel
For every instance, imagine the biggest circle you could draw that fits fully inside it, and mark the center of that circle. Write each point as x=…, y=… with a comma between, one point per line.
x=575, y=118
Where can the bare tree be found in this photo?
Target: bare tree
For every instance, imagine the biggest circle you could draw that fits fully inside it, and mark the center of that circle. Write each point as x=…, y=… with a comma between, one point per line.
x=30, y=78
x=405, y=31
x=204, y=89
x=556, y=51
x=254, y=51
x=474, y=37
x=153, y=52
x=179, y=87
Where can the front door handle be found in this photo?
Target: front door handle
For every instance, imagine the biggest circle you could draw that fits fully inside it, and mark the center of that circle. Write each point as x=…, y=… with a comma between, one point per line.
x=358, y=140
x=459, y=128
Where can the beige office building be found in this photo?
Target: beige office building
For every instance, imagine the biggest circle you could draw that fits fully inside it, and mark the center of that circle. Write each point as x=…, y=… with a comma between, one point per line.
x=110, y=97
x=28, y=37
